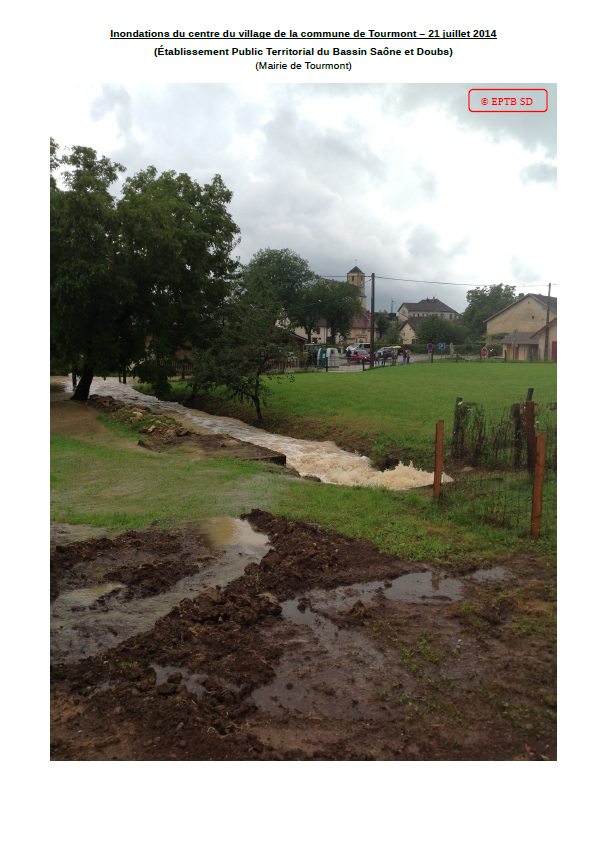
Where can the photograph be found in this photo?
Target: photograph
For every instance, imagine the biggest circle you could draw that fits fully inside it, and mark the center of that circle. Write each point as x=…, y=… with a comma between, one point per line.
x=303, y=415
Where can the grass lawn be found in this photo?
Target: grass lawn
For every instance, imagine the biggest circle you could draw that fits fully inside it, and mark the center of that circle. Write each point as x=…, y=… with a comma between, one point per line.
x=109, y=482
x=386, y=412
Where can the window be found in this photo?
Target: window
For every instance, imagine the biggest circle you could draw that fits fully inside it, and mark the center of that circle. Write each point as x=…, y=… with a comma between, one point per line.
x=451, y=316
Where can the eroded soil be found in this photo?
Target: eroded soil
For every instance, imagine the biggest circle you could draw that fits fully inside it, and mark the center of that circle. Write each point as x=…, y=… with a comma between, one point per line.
x=147, y=565
x=318, y=647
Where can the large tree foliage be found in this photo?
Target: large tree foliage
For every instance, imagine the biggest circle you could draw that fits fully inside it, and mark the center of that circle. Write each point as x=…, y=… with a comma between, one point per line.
x=291, y=282
x=252, y=342
x=178, y=239
x=308, y=308
x=340, y=304
x=483, y=302
x=135, y=278
x=435, y=330
x=391, y=337
x=284, y=272
x=382, y=323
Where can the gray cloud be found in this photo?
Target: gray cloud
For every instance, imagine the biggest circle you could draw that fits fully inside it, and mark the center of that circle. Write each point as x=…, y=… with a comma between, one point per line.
x=328, y=194
x=539, y=173
x=531, y=130
x=114, y=99
x=522, y=272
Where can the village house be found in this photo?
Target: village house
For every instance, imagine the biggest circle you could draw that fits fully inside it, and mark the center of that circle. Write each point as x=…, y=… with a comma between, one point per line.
x=526, y=315
x=409, y=329
x=519, y=346
x=426, y=308
x=540, y=335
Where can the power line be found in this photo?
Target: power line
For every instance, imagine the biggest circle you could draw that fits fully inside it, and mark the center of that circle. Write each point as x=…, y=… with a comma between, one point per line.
x=452, y=283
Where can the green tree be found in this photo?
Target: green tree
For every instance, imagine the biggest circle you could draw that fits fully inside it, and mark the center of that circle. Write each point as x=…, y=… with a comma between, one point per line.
x=134, y=279
x=391, y=337
x=483, y=302
x=178, y=240
x=253, y=340
x=308, y=308
x=89, y=288
x=292, y=283
x=434, y=330
x=382, y=323
x=285, y=272
x=340, y=304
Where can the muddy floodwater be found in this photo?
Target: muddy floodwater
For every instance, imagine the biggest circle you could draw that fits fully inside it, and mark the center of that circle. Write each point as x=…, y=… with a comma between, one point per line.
x=98, y=616
x=263, y=638
x=322, y=459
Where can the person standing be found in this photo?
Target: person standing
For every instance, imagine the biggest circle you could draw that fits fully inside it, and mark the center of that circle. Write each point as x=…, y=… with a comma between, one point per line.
x=403, y=356
x=408, y=354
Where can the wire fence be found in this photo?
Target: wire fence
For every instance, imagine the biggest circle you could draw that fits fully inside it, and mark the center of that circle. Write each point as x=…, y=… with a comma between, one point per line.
x=490, y=455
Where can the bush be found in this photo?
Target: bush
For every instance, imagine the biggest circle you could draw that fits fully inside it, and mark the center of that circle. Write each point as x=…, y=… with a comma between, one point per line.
x=461, y=349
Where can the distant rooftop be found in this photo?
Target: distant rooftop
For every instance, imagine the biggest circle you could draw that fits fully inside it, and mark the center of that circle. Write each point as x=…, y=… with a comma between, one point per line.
x=427, y=304
x=538, y=298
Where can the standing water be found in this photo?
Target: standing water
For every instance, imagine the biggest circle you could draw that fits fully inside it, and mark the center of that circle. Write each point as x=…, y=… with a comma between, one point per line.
x=321, y=459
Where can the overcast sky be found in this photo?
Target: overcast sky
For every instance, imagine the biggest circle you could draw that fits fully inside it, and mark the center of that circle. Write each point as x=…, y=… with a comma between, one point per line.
x=401, y=180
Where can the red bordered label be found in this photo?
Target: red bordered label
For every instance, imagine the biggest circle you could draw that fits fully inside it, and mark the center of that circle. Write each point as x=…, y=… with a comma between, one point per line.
x=508, y=100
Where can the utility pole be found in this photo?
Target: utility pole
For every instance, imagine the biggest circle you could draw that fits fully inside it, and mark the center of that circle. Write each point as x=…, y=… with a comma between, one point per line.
x=372, y=324
x=545, y=349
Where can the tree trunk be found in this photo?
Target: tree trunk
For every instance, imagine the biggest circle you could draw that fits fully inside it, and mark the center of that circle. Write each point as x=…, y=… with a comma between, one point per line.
x=83, y=386
x=256, y=400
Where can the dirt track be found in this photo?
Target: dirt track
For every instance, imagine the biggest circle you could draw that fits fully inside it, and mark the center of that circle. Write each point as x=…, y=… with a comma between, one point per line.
x=318, y=647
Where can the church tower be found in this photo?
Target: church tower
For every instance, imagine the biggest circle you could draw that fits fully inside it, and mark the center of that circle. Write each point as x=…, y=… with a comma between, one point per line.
x=357, y=278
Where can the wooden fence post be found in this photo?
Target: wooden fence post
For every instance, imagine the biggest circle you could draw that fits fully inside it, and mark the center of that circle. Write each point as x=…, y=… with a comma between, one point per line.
x=517, y=441
x=531, y=441
x=454, y=449
x=438, y=459
x=540, y=465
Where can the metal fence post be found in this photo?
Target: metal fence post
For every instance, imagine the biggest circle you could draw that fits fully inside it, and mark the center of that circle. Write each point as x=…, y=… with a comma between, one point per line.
x=438, y=459
x=540, y=465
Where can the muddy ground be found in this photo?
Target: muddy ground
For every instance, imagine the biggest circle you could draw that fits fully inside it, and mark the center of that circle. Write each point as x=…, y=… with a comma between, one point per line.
x=267, y=639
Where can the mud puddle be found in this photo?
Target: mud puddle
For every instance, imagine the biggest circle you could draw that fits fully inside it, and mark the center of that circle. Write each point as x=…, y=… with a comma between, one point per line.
x=322, y=459
x=92, y=619
x=289, y=662
x=425, y=587
x=324, y=670
x=329, y=671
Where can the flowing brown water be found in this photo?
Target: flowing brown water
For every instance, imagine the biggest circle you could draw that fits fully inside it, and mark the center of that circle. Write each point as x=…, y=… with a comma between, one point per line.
x=321, y=459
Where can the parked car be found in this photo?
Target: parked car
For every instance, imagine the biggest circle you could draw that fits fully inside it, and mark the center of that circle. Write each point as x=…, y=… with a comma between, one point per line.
x=358, y=355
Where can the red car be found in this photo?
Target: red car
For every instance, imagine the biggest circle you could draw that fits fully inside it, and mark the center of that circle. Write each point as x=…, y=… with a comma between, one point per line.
x=358, y=355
